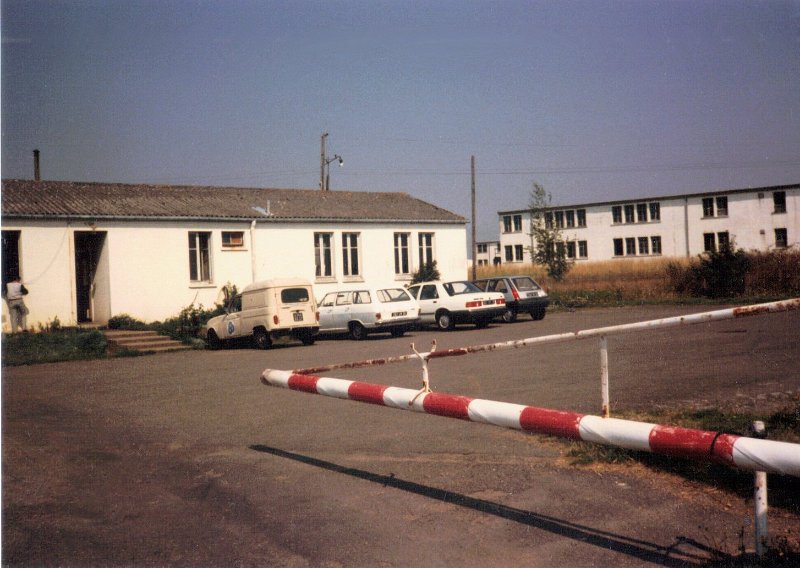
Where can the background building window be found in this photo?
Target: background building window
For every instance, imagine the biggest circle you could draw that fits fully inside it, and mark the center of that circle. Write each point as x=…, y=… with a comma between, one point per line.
x=232, y=239
x=323, y=254
x=199, y=257
x=583, y=249
x=517, y=223
x=559, y=219
x=708, y=207
x=548, y=220
x=616, y=213
x=482, y=248
x=618, y=250
x=641, y=212
x=401, y=264
x=570, y=218
x=350, y=264
x=506, y=223
x=509, y=250
x=655, y=211
x=655, y=243
x=723, y=240
x=708, y=242
x=722, y=206
x=425, y=248
x=518, y=253
x=581, y=217
x=781, y=238
x=629, y=210
x=570, y=249
x=644, y=245
x=779, y=200
x=630, y=246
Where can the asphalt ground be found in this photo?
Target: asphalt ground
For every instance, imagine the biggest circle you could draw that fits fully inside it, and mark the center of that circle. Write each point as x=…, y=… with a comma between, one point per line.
x=186, y=459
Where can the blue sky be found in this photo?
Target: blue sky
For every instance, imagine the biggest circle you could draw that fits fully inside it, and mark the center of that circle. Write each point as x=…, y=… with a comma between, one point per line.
x=594, y=100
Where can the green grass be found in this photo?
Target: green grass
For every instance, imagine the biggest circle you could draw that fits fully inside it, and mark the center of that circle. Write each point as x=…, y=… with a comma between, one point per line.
x=52, y=346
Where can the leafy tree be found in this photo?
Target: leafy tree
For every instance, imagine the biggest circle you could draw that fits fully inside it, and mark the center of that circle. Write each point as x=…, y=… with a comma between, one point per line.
x=426, y=273
x=548, y=247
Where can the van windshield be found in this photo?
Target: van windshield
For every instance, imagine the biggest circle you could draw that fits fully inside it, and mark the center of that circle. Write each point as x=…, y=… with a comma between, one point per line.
x=294, y=295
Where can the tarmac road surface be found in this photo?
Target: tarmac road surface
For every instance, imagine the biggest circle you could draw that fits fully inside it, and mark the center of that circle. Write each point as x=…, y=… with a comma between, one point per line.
x=187, y=459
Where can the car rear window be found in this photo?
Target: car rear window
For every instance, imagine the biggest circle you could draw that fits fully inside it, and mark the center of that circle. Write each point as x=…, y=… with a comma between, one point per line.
x=524, y=283
x=294, y=295
x=393, y=295
x=460, y=287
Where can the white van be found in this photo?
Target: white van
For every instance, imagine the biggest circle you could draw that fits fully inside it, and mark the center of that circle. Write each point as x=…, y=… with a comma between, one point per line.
x=270, y=309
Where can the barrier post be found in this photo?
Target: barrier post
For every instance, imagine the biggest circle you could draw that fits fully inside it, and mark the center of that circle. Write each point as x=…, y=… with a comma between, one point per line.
x=606, y=410
x=760, y=498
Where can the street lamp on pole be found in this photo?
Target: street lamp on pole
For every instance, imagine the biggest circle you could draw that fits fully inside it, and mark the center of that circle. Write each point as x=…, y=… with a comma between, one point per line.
x=325, y=165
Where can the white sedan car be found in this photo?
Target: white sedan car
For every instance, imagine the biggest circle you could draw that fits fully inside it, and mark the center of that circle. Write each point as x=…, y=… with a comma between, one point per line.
x=368, y=310
x=449, y=303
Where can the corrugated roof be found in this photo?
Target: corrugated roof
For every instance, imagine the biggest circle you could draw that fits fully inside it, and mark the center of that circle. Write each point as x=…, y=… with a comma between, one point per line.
x=64, y=199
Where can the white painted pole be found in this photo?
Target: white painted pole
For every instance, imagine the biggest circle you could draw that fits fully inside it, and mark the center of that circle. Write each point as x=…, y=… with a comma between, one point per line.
x=606, y=411
x=760, y=498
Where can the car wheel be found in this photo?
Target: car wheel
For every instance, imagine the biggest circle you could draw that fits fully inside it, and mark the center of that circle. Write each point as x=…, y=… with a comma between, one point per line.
x=482, y=323
x=261, y=338
x=444, y=321
x=213, y=340
x=538, y=314
x=357, y=331
x=510, y=316
x=398, y=332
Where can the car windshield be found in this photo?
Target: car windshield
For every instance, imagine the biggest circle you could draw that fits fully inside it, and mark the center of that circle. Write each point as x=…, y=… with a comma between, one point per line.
x=525, y=283
x=393, y=295
x=294, y=295
x=460, y=287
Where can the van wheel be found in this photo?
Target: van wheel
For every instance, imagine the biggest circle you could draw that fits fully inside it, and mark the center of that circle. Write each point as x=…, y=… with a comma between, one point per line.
x=510, y=316
x=357, y=331
x=444, y=321
x=213, y=340
x=308, y=338
x=261, y=338
x=398, y=332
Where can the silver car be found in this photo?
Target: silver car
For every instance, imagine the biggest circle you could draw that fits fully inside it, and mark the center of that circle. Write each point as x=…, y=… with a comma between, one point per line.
x=368, y=310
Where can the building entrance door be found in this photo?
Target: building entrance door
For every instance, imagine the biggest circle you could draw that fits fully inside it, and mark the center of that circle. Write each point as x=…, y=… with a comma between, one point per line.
x=91, y=277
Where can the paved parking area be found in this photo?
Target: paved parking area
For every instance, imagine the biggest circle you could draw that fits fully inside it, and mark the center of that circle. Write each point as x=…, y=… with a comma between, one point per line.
x=187, y=459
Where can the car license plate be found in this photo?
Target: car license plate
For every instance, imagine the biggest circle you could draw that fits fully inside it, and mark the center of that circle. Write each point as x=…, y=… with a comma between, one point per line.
x=298, y=316
x=398, y=314
x=488, y=302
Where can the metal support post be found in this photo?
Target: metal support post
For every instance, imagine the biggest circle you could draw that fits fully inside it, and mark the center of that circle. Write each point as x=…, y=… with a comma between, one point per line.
x=760, y=498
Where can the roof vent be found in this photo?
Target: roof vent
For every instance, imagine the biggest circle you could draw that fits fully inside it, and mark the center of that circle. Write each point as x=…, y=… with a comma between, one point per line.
x=265, y=212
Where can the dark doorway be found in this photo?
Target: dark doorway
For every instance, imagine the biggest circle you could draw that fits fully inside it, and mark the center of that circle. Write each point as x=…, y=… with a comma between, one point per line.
x=89, y=248
x=10, y=256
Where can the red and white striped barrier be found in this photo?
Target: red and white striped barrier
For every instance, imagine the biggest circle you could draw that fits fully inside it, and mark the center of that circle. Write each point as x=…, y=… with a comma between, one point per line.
x=690, y=319
x=733, y=450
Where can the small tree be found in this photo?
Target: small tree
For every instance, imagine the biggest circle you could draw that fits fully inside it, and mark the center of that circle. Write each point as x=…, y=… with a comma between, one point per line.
x=548, y=247
x=426, y=273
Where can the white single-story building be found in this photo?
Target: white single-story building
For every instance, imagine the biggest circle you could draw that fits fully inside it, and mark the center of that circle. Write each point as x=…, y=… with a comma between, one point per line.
x=89, y=251
x=761, y=219
x=488, y=252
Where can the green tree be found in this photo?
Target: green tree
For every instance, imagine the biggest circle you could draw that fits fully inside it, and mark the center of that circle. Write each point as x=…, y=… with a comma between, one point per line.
x=426, y=273
x=548, y=247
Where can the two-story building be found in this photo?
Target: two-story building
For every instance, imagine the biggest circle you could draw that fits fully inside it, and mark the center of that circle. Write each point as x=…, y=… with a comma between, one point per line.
x=762, y=219
x=88, y=251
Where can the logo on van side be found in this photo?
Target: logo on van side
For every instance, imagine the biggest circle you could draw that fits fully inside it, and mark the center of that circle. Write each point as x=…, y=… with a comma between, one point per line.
x=231, y=328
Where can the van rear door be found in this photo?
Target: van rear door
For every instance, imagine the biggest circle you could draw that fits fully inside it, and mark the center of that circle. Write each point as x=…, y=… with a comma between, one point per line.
x=296, y=307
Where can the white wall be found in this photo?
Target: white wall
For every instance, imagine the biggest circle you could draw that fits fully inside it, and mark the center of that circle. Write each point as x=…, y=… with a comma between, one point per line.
x=148, y=263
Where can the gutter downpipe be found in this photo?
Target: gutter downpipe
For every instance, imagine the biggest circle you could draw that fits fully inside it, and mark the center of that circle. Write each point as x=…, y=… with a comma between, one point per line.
x=253, y=249
x=686, y=224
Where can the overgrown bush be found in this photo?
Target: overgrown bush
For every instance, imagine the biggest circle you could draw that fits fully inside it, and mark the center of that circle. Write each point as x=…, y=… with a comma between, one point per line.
x=187, y=324
x=125, y=321
x=426, y=273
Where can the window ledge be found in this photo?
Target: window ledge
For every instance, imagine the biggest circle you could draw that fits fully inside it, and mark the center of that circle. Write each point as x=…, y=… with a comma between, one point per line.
x=234, y=249
x=353, y=279
x=325, y=279
x=202, y=285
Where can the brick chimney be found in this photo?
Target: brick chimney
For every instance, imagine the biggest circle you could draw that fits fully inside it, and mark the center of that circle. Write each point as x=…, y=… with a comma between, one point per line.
x=36, y=175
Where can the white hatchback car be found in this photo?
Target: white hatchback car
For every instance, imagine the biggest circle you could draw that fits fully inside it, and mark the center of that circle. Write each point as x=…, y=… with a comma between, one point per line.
x=449, y=303
x=368, y=310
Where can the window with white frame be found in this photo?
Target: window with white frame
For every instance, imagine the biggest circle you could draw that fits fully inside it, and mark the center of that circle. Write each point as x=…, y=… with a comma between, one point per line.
x=199, y=256
x=644, y=245
x=723, y=240
x=518, y=253
x=350, y=254
x=323, y=254
x=482, y=248
x=779, y=201
x=641, y=212
x=232, y=239
x=402, y=264
x=655, y=211
x=629, y=214
x=630, y=246
x=570, y=218
x=425, y=241
x=517, y=223
x=581, y=213
x=655, y=244
x=509, y=250
x=506, y=223
x=618, y=247
x=616, y=213
x=583, y=249
x=570, y=249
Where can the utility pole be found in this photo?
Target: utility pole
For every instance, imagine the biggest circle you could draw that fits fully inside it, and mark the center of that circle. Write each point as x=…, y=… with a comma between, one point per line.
x=322, y=161
x=474, y=233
